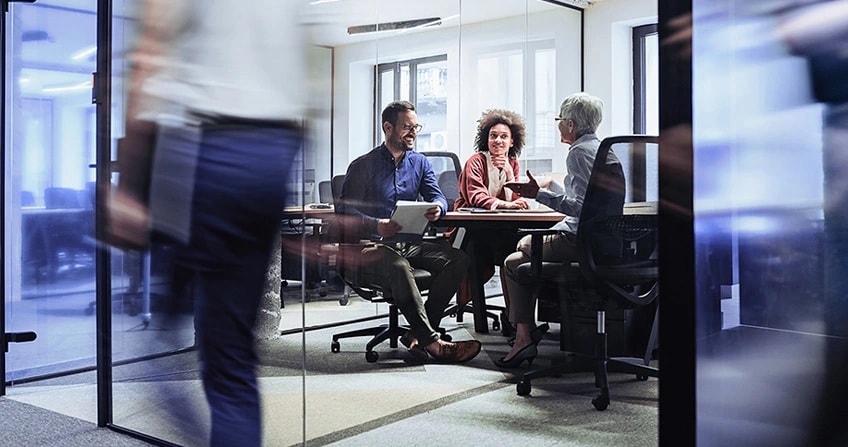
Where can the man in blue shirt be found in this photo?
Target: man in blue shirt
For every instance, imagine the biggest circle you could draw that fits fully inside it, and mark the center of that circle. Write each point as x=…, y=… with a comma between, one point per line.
x=373, y=184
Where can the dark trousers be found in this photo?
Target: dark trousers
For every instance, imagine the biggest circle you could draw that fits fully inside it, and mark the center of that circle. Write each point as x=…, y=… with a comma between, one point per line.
x=390, y=268
x=238, y=198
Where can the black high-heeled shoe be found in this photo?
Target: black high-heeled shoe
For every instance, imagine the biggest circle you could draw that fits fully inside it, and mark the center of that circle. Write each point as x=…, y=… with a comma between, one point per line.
x=528, y=353
x=537, y=334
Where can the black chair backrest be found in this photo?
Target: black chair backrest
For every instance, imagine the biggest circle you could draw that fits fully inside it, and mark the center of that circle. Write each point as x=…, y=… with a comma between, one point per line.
x=336, y=187
x=27, y=198
x=447, y=167
x=325, y=192
x=449, y=184
x=55, y=197
x=617, y=251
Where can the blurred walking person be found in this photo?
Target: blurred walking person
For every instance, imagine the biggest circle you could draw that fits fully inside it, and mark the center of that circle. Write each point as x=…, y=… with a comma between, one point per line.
x=224, y=84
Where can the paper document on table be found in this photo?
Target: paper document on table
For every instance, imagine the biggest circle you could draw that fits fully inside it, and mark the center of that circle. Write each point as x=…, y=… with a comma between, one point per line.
x=410, y=215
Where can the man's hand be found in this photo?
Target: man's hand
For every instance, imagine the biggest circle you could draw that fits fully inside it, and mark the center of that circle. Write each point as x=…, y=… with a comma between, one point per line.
x=433, y=214
x=388, y=228
x=529, y=189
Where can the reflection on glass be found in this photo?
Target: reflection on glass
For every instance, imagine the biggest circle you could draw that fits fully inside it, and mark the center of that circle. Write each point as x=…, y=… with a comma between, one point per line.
x=770, y=257
x=50, y=214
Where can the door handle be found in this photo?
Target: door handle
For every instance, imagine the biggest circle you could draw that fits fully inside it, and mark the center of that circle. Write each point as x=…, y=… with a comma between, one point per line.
x=17, y=337
x=6, y=3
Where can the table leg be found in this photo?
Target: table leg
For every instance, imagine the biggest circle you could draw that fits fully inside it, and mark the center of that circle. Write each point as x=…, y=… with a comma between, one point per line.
x=478, y=297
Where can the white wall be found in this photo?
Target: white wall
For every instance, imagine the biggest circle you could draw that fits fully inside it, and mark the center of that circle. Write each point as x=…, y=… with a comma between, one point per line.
x=353, y=96
x=608, y=69
x=608, y=58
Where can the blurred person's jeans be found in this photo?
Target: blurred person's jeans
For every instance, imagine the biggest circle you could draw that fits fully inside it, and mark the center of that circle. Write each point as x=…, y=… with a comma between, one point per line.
x=238, y=196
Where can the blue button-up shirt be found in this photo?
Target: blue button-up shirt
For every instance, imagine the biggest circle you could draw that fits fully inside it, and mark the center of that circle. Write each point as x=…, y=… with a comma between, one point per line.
x=373, y=185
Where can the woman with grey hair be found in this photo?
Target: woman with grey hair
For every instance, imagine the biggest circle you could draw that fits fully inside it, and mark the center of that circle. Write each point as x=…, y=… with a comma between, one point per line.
x=579, y=117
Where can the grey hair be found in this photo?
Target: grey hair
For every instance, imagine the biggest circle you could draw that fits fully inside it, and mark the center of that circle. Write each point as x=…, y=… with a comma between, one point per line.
x=586, y=111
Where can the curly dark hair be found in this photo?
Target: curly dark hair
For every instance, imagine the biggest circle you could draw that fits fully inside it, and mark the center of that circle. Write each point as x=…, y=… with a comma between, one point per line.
x=500, y=116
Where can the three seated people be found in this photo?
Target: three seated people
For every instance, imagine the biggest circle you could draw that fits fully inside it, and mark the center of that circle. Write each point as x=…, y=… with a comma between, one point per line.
x=393, y=171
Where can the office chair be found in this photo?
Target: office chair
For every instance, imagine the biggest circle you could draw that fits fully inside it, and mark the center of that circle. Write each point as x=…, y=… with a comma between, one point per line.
x=27, y=198
x=447, y=167
x=68, y=232
x=56, y=197
x=325, y=192
x=617, y=272
x=391, y=331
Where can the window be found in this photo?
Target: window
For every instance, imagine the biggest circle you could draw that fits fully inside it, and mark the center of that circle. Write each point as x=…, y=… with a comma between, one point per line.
x=522, y=78
x=422, y=82
x=645, y=80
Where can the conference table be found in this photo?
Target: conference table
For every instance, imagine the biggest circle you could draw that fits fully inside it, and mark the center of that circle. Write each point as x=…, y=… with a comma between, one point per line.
x=476, y=220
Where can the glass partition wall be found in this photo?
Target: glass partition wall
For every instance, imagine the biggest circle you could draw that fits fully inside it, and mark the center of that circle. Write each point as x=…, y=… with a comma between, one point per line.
x=453, y=59
x=769, y=226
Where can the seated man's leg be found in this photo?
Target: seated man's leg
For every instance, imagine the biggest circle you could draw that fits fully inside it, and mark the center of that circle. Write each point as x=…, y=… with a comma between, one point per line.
x=384, y=267
x=448, y=265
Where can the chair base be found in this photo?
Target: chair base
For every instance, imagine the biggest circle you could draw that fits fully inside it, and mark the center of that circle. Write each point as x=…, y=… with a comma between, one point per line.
x=575, y=363
x=601, y=364
x=391, y=332
x=499, y=323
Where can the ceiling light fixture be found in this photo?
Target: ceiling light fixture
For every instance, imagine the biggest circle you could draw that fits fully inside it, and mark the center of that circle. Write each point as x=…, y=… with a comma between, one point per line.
x=82, y=54
x=67, y=88
x=394, y=26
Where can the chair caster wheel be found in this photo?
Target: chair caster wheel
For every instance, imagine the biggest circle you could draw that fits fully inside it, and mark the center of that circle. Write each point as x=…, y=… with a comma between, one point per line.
x=641, y=377
x=496, y=325
x=371, y=356
x=446, y=337
x=601, y=402
x=523, y=388
x=343, y=301
x=335, y=346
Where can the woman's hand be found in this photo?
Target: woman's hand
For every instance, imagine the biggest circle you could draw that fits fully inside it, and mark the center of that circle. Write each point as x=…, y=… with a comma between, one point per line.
x=499, y=161
x=517, y=204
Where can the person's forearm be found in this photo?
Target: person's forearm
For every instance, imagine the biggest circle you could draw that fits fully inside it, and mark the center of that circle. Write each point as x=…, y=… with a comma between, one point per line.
x=811, y=26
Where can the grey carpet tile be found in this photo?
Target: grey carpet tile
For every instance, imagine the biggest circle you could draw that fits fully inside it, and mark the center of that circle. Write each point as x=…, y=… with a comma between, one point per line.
x=27, y=425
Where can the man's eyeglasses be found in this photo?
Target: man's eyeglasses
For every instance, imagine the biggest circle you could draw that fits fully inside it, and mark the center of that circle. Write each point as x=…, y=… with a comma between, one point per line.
x=407, y=127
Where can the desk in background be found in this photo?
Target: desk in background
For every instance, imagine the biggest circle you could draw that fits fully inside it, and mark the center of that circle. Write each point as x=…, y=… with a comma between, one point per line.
x=472, y=221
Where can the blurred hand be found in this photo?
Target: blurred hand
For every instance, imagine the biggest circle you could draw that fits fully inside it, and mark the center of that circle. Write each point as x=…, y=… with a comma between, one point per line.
x=529, y=189
x=128, y=222
x=388, y=228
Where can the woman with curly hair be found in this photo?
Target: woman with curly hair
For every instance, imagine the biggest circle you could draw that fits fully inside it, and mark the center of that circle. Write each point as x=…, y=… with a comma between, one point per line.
x=500, y=138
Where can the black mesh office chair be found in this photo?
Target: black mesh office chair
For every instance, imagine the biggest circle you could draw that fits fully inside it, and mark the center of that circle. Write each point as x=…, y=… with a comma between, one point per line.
x=617, y=273
x=390, y=331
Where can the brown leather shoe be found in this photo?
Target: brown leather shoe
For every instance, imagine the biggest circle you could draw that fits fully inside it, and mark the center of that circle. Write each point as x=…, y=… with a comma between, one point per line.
x=457, y=352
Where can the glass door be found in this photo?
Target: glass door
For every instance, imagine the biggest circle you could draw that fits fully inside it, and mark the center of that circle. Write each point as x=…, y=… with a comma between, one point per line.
x=48, y=186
